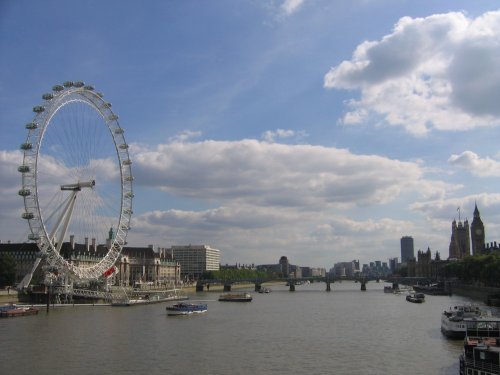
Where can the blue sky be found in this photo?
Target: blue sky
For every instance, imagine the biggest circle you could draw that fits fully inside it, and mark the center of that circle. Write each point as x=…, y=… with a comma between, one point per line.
x=321, y=130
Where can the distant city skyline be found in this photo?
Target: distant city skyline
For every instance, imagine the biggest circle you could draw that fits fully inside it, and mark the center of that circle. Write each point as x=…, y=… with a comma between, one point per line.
x=322, y=130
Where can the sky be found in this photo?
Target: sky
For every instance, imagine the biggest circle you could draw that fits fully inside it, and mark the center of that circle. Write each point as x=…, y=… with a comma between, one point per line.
x=321, y=130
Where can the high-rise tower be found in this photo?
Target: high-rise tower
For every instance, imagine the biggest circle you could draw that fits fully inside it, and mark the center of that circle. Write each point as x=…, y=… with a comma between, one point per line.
x=407, y=251
x=477, y=233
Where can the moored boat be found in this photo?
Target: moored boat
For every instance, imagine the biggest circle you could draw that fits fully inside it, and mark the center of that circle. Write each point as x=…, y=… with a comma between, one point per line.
x=124, y=299
x=235, y=297
x=12, y=311
x=452, y=320
x=183, y=308
x=481, y=353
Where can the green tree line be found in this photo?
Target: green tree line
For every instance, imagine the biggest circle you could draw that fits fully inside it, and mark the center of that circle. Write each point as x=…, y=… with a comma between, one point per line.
x=7, y=270
x=479, y=268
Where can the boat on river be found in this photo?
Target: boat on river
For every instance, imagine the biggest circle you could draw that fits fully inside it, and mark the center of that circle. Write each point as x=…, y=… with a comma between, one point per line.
x=235, y=297
x=481, y=352
x=416, y=297
x=183, y=308
x=12, y=311
x=145, y=299
x=452, y=320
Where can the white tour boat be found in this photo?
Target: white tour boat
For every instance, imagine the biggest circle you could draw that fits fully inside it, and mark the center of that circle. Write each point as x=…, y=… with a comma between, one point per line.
x=452, y=320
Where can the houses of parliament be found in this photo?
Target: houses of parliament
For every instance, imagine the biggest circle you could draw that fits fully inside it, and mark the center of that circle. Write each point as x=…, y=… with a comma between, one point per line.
x=463, y=236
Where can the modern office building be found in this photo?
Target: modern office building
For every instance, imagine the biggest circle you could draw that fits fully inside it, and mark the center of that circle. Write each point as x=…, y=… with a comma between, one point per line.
x=196, y=259
x=407, y=249
x=285, y=266
x=345, y=269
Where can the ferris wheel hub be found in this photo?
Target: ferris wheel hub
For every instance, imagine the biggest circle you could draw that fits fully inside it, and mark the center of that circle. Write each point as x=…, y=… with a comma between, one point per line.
x=78, y=186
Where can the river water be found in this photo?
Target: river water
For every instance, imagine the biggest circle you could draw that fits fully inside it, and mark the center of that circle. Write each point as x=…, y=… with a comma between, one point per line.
x=309, y=331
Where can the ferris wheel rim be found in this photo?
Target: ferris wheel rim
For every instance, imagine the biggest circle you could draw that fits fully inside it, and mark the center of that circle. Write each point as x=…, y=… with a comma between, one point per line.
x=62, y=96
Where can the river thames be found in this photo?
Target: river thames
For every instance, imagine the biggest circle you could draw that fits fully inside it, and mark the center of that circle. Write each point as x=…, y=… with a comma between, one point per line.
x=309, y=331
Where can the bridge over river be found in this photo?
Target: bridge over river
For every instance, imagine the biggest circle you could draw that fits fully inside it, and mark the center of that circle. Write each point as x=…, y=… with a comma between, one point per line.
x=291, y=282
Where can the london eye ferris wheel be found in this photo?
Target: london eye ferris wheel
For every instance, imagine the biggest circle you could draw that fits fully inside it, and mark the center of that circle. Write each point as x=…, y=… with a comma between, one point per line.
x=76, y=178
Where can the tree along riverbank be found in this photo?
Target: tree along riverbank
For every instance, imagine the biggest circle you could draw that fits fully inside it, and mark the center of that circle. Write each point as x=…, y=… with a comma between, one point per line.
x=486, y=294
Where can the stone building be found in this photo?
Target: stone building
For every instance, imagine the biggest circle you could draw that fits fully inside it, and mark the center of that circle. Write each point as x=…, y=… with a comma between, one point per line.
x=135, y=265
x=460, y=240
x=477, y=233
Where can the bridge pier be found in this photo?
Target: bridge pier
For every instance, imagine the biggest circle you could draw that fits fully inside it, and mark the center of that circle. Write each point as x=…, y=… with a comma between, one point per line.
x=328, y=289
x=227, y=287
x=363, y=286
x=258, y=287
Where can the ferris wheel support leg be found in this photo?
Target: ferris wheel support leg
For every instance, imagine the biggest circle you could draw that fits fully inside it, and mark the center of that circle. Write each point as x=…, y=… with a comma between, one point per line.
x=64, y=212
x=27, y=279
x=67, y=218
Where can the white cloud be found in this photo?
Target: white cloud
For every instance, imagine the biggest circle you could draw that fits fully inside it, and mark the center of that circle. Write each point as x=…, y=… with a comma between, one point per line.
x=185, y=136
x=269, y=196
x=437, y=72
x=291, y=6
x=272, y=174
x=471, y=162
x=272, y=135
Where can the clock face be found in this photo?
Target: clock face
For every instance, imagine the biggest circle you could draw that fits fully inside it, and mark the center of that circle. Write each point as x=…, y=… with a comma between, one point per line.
x=479, y=231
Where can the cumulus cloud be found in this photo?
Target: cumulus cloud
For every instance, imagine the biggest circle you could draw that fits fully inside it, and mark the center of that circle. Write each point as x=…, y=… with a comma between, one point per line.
x=267, y=196
x=446, y=209
x=272, y=174
x=185, y=136
x=273, y=135
x=472, y=163
x=437, y=72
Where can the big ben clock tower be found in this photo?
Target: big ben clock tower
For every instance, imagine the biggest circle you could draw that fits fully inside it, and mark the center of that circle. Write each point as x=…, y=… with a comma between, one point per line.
x=477, y=233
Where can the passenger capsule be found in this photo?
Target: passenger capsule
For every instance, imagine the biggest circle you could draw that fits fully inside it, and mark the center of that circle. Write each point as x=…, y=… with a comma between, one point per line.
x=33, y=237
x=99, y=94
x=127, y=211
x=123, y=146
x=129, y=195
x=88, y=87
x=119, y=131
x=47, y=96
x=68, y=84
x=57, y=88
x=38, y=109
x=127, y=162
x=24, y=192
x=26, y=146
x=78, y=84
x=31, y=125
x=23, y=169
x=27, y=215
x=129, y=178
x=106, y=105
x=113, y=117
